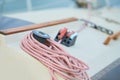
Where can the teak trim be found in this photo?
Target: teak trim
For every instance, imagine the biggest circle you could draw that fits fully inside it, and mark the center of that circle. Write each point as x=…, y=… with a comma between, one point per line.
x=36, y=26
x=109, y=38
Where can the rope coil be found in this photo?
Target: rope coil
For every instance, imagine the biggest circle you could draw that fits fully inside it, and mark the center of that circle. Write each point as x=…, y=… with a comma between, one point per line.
x=55, y=58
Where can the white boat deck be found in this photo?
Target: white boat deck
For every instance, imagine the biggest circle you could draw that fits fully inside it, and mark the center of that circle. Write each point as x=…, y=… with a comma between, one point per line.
x=18, y=65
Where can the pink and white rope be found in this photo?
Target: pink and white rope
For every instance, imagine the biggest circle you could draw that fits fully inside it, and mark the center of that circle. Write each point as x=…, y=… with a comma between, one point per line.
x=84, y=25
x=55, y=58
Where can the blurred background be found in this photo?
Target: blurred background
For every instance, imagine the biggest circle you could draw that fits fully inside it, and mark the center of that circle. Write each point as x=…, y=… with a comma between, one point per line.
x=16, y=6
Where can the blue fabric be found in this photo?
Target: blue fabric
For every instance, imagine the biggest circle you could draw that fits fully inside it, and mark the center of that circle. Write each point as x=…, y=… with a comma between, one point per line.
x=7, y=23
x=111, y=72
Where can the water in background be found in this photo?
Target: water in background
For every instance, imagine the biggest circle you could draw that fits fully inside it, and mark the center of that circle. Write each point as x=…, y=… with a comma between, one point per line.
x=13, y=6
x=1, y=11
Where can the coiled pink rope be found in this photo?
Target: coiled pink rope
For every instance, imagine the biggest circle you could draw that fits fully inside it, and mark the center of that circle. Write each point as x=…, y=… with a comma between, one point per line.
x=55, y=59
